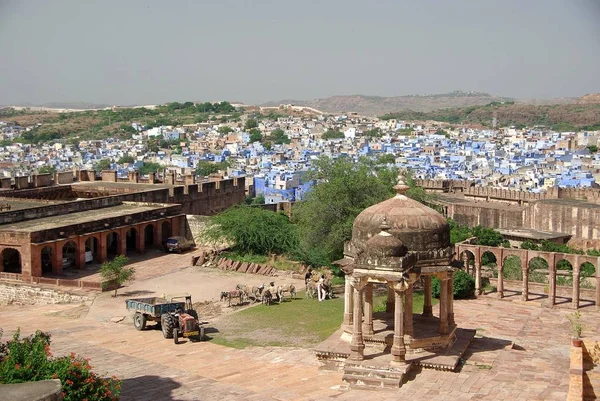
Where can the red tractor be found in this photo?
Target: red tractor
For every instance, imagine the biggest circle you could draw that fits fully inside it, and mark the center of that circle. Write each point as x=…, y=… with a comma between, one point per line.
x=177, y=318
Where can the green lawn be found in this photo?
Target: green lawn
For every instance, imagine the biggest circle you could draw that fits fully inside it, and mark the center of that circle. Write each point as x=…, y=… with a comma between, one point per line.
x=298, y=323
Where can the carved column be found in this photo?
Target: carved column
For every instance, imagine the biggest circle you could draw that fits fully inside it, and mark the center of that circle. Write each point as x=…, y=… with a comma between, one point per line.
x=501, y=281
x=552, y=283
x=357, y=345
x=478, y=290
x=368, y=321
x=348, y=295
x=451, y=301
x=427, y=306
x=389, y=306
x=443, y=325
x=576, y=288
x=408, y=312
x=398, y=347
x=525, y=292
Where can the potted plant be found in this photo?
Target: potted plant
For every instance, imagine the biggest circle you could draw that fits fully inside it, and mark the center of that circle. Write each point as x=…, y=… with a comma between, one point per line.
x=575, y=319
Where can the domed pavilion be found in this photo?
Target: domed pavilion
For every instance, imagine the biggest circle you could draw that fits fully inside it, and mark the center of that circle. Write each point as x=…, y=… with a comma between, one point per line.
x=398, y=244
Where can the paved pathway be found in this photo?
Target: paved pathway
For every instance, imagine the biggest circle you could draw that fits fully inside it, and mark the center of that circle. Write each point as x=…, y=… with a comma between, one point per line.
x=521, y=354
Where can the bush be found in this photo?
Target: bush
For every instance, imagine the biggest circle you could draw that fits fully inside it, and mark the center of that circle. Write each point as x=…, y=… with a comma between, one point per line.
x=462, y=287
x=29, y=359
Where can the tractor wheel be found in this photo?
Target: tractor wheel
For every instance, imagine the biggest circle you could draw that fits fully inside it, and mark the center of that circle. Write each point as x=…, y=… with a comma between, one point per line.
x=176, y=336
x=167, y=324
x=192, y=313
x=139, y=321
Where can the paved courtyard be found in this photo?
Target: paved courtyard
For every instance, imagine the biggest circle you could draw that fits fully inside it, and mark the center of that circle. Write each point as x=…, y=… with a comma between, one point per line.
x=521, y=353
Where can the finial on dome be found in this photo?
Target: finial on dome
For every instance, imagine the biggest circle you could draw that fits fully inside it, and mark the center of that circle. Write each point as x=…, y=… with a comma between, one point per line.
x=401, y=188
x=385, y=225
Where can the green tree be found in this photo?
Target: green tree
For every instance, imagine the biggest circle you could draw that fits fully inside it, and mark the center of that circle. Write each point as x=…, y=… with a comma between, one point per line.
x=267, y=145
x=332, y=134
x=387, y=158
x=116, y=273
x=374, y=133
x=487, y=236
x=250, y=124
x=103, y=164
x=344, y=189
x=255, y=135
x=126, y=159
x=205, y=168
x=225, y=129
x=253, y=230
x=458, y=233
x=150, y=167
x=279, y=137
x=47, y=170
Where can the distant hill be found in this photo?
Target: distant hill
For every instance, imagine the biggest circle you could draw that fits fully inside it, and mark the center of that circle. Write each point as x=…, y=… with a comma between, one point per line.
x=377, y=105
x=583, y=113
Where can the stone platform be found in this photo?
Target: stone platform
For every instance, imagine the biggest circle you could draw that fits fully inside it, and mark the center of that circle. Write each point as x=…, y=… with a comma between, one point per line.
x=377, y=368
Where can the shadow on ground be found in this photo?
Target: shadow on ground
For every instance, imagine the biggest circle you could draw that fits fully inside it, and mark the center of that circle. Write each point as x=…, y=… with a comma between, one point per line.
x=148, y=388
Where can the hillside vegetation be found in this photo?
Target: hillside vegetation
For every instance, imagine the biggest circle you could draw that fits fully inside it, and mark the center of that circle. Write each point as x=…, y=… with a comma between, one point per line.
x=565, y=117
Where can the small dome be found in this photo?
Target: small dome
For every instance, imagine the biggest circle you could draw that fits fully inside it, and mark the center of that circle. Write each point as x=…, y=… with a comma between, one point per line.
x=385, y=244
x=418, y=227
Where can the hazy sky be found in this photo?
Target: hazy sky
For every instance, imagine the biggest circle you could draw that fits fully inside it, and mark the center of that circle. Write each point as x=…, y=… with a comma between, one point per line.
x=144, y=52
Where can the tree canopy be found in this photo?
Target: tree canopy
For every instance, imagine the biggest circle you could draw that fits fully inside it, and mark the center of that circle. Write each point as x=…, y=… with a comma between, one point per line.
x=344, y=189
x=255, y=135
x=332, y=134
x=279, y=137
x=253, y=230
x=251, y=123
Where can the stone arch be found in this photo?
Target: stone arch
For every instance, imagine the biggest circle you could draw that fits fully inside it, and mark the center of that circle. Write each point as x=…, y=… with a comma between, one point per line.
x=149, y=235
x=166, y=231
x=112, y=244
x=69, y=254
x=512, y=268
x=587, y=275
x=535, y=265
x=11, y=260
x=468, y=258
x=92, y=244
x=46, y=254
x=131, y=237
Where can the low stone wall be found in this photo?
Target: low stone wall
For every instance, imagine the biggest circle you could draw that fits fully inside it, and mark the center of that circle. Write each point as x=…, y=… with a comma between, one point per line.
x=44, y=390
x=24, y=294
x=210, y=259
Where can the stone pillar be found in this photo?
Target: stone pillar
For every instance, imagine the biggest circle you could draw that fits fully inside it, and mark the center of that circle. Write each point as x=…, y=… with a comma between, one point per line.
x=465, y=260
x=576, y=288
x=478, y=290
x=525, y=292
x=443, y=326
x=102, y=251
x=597, y=292
x=348, y=294
x=398, y=347
x=57, y=257
x=368, y=321
x=552, y=289
x=140, y=239
x=80, y=262
x=389, y=306
x=408, y=312
x=451, y=301
x=500, y=288
x=427, y=306
x=357, y=345
x=122, y=242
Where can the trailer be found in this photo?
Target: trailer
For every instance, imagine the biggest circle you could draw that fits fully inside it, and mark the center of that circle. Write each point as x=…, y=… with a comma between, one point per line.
x=175, y=317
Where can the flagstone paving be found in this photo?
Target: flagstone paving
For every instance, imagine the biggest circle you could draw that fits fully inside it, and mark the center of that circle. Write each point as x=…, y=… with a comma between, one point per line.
x=521, y=352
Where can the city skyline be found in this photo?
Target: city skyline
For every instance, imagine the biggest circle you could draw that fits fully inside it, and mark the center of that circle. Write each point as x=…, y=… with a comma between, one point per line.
x=153, y=52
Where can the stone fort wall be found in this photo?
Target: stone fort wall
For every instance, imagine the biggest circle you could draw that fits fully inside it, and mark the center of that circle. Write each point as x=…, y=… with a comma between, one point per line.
x=201, y=198
x=574, y=211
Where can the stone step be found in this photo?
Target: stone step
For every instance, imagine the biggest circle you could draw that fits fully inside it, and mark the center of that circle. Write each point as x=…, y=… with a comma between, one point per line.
x=371, y=382
x=358, y=370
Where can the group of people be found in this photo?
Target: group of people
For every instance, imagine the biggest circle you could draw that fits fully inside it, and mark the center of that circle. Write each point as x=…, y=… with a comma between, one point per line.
x=321, y=285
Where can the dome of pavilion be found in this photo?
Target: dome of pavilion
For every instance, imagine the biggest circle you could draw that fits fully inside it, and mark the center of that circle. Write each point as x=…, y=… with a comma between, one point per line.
x=421, y=229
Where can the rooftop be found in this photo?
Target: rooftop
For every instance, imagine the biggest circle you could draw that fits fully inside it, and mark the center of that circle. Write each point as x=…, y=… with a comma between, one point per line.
x=65, y=220
x=530, y=233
